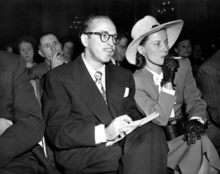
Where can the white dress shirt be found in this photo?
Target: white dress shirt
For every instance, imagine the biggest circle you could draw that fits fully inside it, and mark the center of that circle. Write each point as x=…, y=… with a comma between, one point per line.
x=99, y=129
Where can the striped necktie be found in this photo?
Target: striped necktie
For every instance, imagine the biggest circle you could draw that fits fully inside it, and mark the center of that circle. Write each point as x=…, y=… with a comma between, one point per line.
x=98, y=77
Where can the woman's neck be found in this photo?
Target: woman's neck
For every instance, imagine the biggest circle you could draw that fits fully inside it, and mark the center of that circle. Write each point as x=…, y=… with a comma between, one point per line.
x=156, y=68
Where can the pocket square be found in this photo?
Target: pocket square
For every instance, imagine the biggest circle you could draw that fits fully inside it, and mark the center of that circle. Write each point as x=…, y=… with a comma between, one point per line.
x=126, y=92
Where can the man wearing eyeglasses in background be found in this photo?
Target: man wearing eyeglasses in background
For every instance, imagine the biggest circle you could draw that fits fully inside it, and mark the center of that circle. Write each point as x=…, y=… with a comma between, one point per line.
x=90, y=102
x=118, y=58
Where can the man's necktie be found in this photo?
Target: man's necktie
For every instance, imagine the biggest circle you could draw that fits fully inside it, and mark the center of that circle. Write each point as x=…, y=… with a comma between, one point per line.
x=98, y=77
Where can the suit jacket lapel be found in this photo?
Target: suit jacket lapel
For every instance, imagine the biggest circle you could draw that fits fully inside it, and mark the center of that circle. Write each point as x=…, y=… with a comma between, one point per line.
x=148, y=76
x=84, y=85
x=114, y=90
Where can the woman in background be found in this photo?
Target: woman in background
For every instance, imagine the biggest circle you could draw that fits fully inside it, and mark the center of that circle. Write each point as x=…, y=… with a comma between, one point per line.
x=71, y=47
x=25, y=46
x=183, y=47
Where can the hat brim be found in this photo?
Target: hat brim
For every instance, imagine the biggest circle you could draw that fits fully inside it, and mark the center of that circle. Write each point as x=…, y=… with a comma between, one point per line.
x=173, y=30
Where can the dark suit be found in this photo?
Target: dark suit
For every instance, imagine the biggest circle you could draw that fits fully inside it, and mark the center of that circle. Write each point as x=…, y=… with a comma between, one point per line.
x=73, y=106
x=18, y=104
x=208, y=80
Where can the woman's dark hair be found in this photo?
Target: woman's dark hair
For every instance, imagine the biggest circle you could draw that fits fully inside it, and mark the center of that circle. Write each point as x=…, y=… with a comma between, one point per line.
x=25, y=39
x=140, y=59
x=76, y=42
x=180, y=39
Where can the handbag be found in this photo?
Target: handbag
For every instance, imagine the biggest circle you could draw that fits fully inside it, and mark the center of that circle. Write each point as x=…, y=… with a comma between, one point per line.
x=175, y=128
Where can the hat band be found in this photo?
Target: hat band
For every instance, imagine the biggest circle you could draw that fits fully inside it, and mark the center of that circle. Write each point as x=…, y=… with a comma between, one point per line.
x=153, y=26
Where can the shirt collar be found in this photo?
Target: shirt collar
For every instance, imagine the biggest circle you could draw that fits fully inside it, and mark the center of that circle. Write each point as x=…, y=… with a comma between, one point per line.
x=113, y=60
x=91, y=70
x=155, y=74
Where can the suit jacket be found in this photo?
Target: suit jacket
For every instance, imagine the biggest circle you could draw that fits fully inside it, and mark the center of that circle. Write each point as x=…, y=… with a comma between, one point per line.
x=125, y=64
x=18, y=104
x=39, y=70
x=149, y=99
x=73, y=106
x=208, y=80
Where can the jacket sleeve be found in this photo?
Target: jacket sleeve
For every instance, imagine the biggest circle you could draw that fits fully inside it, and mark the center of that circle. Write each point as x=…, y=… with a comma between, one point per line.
x=149, y=100
x=195, y=105
x=19, y=104
x=208, y=80
x=65, y=126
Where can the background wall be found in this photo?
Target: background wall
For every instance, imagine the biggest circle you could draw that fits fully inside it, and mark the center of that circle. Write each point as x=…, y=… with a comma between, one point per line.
x=32, y=17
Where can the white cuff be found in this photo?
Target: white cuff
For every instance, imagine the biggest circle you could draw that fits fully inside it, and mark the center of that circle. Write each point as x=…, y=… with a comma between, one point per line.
x=100, y=134
x=171, y=92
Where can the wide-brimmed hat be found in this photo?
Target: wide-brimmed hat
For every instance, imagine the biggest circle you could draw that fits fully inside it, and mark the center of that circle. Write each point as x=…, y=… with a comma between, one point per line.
x=147, y=26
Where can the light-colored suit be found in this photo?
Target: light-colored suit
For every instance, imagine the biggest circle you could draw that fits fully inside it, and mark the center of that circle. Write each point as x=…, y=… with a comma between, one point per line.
x=149, y=100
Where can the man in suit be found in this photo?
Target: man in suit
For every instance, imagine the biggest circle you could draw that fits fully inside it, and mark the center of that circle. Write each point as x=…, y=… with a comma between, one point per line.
x=21, y=122
x=83, y=114
x=208, y=80
x=118, y=58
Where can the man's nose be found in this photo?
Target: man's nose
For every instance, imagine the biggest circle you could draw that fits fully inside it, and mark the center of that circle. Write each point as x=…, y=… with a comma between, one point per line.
x=53, y=48
x=110, y=41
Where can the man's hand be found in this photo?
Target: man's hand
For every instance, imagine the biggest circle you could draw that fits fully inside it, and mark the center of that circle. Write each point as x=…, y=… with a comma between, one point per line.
x=169, y=68
x=57, y=60
x=4, y=124
x=117, y=127
x=193, y=130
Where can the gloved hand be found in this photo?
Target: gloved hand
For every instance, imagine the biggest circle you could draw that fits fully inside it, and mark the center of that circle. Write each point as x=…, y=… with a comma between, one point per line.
x=193, y=130
x=169, y=68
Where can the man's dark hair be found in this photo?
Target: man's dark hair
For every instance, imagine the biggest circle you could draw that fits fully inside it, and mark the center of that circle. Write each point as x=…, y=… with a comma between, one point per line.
x=88, y=20
x=45, y=34
x=123, y=34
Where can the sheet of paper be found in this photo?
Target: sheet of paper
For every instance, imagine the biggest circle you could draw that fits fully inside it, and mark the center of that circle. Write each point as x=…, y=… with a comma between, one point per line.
x=134, y=125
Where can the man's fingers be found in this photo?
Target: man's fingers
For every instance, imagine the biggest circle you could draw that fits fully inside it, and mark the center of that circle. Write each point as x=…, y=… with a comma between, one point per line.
x=125, y=118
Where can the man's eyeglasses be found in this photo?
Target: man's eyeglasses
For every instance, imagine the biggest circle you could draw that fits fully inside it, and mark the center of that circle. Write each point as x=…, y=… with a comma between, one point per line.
x=104, y=36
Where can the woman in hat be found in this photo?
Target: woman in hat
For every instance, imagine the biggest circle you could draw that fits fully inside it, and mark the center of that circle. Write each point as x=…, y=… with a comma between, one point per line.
x=166, y=85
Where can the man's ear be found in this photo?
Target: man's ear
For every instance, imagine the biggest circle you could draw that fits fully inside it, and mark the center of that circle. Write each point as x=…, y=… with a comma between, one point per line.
x=40, y=52
x=140, y=49
x=84, y=40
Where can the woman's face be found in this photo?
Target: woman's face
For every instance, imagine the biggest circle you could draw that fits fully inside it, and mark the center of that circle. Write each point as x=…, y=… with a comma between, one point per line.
x=26, y=51
x=68, y=48
x=197, y=51
x=155, y=49
x=184, y=48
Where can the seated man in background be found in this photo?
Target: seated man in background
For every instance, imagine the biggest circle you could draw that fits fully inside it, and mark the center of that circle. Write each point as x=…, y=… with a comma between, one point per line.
x=49, y=48
x=118, y=58
x=208, y=81
x=21, y=122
